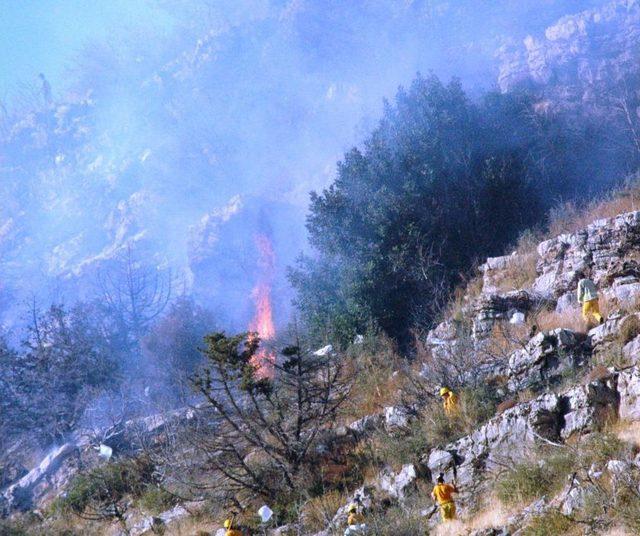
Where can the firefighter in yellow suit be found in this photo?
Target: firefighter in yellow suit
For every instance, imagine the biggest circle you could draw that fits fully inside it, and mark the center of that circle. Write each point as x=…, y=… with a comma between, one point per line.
x=228, y=524
x=443, y=494
x=588, y=297
x=449, y=401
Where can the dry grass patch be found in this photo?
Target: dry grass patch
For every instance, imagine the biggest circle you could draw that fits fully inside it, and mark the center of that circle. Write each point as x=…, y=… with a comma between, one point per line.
x=521, y=270
x=494, y=514
x=597, y=373
x=520, y=273
x=451, y=528
x=546, y=320
x=318, y=512
x=506, y=404
x=618, y=531
x=504, y=339
x=465, y=293
x=569, y=217
x=629, y=432
x=193, y=527
x=378, y=380
x=629, y=330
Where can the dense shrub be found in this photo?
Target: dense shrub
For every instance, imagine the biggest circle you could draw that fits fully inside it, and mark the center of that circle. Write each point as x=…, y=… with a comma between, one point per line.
x=156, y=499
x=440, y=182
x=100, y=492
x=172, y=343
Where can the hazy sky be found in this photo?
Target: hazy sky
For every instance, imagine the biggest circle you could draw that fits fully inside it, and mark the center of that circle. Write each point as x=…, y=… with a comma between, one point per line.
x=46, y=35
x=176, y=108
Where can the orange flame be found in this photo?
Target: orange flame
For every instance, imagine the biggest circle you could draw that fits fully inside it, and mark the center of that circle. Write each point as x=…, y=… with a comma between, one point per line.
x=262, y=322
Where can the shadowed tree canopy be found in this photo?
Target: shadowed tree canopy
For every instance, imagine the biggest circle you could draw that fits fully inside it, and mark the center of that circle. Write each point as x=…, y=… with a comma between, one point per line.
x=442, y=180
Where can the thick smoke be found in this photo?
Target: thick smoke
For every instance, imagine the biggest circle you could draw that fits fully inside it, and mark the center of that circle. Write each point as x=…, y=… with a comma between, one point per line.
x=187, y=141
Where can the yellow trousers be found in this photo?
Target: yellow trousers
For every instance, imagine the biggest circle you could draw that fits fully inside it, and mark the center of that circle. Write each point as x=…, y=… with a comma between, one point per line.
x=448, y=511
x=590, y=309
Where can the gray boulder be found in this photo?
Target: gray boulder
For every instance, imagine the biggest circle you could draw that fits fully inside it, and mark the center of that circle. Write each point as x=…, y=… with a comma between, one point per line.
x=398, y=485
x=629, y=392
x=545, y=357
x=589, y=407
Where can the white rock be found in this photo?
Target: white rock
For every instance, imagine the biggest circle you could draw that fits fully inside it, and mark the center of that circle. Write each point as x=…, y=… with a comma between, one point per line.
x=631, y=350
x=627, y=295
x=618, y=468
x=397, y=485
x=629, y=390
x=265, y=513
x=395, y=417
x=324, y=351
x=567, y=302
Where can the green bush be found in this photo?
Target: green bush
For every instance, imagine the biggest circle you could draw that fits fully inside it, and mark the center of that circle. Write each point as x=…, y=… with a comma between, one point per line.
x=401, y=448
x=10, y=528
x=626, y=507
x=102, y=488
x=530, y=480
x=155, y=500
x=602, y=447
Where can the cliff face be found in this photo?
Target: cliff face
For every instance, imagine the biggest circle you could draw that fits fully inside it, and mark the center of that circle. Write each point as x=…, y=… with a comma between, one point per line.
x=577, y=54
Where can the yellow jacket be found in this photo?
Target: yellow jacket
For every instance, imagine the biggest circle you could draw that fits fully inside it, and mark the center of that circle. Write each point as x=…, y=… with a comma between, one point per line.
x=443, y=493
x=450, y=403
x=355, y=519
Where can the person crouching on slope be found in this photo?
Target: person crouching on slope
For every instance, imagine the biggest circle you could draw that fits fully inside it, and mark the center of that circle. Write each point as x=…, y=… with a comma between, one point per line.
x=588, y=298
x=443, y=494
x=355, y=522
x=231, y=531
x=449, y=401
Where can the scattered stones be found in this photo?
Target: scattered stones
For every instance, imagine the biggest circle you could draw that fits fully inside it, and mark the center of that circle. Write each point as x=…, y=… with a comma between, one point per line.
x=398, y=485
x=396, y=418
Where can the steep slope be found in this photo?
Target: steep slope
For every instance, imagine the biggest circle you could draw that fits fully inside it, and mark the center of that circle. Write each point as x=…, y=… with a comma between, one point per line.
x=569, y=394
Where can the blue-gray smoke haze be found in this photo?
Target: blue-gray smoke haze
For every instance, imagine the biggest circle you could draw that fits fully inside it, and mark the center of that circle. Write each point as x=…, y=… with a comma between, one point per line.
x=184, y=128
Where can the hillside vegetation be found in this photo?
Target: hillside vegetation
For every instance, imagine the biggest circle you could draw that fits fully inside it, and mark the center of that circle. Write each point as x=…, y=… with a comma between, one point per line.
x=545, y=441
x=446, y=253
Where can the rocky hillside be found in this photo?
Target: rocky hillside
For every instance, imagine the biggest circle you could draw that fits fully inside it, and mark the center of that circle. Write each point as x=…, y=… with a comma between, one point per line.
x=576, y=54
x=557, y=452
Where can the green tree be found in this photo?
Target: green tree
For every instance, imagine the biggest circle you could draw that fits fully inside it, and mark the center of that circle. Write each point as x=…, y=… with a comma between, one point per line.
x=269, y=426
x=442, y=181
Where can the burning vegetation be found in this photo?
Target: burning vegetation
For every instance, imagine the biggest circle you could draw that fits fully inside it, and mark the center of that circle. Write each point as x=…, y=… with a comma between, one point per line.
x=262, y=326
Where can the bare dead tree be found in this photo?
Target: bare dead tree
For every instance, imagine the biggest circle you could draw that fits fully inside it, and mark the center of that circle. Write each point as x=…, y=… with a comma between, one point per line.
x=135, y=294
